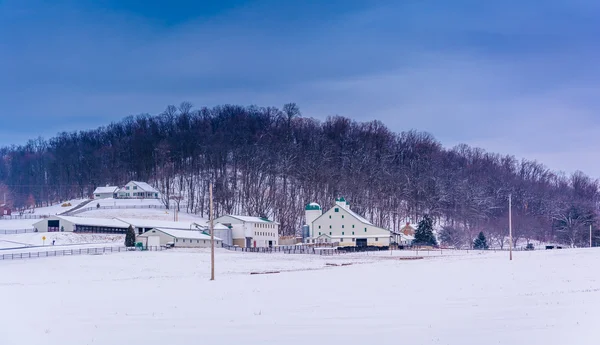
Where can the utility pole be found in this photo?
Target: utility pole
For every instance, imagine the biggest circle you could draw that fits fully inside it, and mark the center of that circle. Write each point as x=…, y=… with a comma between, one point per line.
x=212, y=236
x=590, y=235
x=510, y=241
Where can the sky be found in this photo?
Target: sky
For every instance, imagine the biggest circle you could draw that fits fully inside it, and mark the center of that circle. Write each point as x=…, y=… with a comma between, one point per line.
x=512, y=77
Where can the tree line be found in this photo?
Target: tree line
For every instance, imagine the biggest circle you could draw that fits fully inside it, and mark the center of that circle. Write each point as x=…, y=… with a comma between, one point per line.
x=269, y=161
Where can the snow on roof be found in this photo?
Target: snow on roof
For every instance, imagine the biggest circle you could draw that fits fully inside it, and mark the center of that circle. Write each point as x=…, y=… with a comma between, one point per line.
x=219, y=226
x=106, y=190
x=145, y=187
x=250, y=219
x=151, y=223
x=191, y=234
x=100, y=222
x=355, y=215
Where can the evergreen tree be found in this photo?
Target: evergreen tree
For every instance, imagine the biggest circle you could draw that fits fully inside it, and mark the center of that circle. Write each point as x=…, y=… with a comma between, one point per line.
x=480, y=242
x=130, y=237
x=424, y=233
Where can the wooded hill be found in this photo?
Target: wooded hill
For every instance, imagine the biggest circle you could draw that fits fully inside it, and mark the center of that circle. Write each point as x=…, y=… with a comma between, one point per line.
x=270, y=161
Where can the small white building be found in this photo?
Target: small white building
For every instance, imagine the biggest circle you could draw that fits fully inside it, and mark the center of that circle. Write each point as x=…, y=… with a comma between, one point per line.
x=137, y=190
x=250, y=232
x=106, y=192
x=221, y=231
x=178, y=238
x=81, y=225
x=342, y=226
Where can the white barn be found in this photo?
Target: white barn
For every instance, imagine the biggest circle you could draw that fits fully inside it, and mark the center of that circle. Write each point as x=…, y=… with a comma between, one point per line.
x=178, y=238
x=251, y=231
x=139, y=190
x=106, y=192
x=343, y=226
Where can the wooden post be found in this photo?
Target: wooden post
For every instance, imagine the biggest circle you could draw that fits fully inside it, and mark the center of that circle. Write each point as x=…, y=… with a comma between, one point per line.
x=510, y=241
x=212, y=236
x=590, y=235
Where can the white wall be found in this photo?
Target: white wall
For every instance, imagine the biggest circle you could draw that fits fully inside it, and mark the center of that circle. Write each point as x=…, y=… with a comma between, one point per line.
x=42, y=225
x=344, y=225
x=103, y=196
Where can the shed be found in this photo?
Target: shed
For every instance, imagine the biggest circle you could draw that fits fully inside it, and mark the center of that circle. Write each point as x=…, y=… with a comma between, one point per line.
x=179, y=238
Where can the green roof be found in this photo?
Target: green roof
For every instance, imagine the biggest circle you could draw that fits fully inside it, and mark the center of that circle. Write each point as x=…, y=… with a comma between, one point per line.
x=312, y=206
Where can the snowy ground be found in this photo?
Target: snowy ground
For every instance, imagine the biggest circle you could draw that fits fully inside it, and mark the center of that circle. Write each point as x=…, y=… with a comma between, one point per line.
x=143, y=213
x=542, y=297
x=30, y=241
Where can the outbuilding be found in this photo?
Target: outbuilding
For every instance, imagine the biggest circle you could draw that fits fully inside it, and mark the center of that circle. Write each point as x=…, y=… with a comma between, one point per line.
x=106, y=192
x=178, y=238
x=4, y=210
x=251, y=231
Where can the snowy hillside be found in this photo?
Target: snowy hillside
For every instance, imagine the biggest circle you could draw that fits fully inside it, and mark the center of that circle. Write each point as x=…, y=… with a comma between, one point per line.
x=542, y=297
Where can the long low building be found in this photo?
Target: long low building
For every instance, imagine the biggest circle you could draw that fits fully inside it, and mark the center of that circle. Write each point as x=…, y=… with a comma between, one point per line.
x=81, y=224
x=178, y=238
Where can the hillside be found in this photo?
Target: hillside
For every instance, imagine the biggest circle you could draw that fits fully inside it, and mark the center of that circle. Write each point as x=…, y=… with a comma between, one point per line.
x=269, y=161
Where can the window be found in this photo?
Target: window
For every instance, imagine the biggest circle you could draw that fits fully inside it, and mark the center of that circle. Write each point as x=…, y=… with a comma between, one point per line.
x=342, y=216
x=330, y=226
x=319, y=233
x=352, y=232
x=330, y=233
x=342, y=226
x=330, y=217
x=127, y=188
x=352, y=226
x=336, y=210
x=197, y=241
x=353, y=240
x=176, y=240
x=319, y=226
x=341, y=240
x=135, y=187
x=342, y=233
x=376, y=239
x=365, y=229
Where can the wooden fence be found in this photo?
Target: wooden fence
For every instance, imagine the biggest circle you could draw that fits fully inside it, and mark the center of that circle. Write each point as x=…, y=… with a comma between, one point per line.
x=71, y=252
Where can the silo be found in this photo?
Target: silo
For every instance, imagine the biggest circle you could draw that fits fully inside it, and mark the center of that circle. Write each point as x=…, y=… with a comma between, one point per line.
x=312, y=212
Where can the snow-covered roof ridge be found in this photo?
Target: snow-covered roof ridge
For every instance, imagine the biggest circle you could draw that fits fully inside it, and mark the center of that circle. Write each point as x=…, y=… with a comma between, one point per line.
x=145, y=186
x=251, y=219
x=191, y=234
x=106, y=190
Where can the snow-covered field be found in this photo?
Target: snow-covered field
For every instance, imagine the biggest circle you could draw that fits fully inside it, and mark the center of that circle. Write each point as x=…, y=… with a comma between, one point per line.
x=542, y=297
x=31, y=240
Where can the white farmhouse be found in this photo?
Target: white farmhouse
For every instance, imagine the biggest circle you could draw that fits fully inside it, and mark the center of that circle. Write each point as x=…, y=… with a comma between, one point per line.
x=251, y=231
x=106, y=192
x=343, y=226
x=138, y=190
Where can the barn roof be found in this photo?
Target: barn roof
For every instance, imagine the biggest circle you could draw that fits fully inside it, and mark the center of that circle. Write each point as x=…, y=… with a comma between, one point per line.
x=183, y=234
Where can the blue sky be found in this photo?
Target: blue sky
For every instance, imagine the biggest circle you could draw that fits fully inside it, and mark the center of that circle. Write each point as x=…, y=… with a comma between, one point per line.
x=518, y=77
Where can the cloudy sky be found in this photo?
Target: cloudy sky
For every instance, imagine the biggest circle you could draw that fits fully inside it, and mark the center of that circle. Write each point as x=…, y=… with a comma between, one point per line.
x=518, y=77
